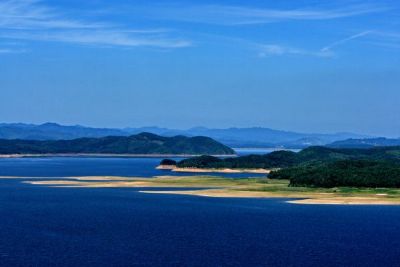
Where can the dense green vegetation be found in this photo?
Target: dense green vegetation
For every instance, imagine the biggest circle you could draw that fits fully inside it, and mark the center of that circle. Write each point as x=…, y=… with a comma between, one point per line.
x=168, y=162
x=144, y=143
x=282, y=159
x=272, y=160
x=353, y=173
x=365, y=143
x=319, y=166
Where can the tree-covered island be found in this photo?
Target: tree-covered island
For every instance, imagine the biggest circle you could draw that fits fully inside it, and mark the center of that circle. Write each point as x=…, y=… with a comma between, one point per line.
x=317, y=166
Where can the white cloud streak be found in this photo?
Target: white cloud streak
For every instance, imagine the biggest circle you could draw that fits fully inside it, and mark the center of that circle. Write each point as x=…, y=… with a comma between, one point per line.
x=345, y=40
x=267, y=50
x=236, y=15
x=30, y=14
x=11, y=51
x=32, y=20
x=101, y=37
x=377, y=38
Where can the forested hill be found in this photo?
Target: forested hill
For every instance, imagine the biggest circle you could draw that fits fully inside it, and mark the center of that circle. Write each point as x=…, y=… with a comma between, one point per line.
x=281, y=159
x=365, y=143
x=144, y=143
x=319, y=166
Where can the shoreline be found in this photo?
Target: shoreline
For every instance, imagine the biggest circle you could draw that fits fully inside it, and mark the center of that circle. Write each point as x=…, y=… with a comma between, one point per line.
x=225, y=170
x=298, y=199
x=173, y=168
x=232, y=188
x=104, y=155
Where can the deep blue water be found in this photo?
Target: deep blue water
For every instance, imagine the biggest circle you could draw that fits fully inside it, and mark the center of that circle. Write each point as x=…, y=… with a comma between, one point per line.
x=44, y=226
x=65, y=166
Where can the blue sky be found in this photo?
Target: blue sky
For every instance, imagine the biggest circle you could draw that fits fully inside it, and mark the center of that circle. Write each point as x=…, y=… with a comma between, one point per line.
x=304, y=65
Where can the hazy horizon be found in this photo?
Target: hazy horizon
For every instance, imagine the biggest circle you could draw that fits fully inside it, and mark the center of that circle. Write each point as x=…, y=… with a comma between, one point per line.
x=193, y=127
x=305, y=66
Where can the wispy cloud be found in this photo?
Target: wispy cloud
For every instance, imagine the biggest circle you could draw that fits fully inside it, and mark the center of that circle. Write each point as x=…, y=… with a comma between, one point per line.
x=379, y=38
x=237, y=15
x=32, y=20
x=100, y=37
x=31, y=14
x=11, y=51
x=267, y=50
x=345, y=40
x=376, y=38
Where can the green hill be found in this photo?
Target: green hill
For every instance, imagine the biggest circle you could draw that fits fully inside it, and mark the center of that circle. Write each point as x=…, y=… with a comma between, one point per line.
x=349, y=173
x=144, y=143
x=282, y=159
x=319, y=166
x=365, y=143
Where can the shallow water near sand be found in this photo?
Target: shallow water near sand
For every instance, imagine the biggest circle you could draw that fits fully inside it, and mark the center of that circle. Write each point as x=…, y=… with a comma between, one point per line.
x=86, y=166
x=44, y=226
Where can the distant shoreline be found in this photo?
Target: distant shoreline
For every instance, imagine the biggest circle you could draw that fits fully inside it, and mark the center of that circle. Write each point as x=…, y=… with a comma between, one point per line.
x=101, y=155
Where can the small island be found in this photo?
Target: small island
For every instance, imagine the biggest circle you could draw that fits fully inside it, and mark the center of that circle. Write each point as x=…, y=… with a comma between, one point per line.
x=313, y=166
x=172, y=165
x=315, y=169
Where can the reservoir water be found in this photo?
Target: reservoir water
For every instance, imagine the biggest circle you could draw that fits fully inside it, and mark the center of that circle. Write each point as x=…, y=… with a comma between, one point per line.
x=45, y=226
x=85, y=166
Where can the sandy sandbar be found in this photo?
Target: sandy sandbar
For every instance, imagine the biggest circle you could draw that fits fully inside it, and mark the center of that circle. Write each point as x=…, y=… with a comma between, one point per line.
x=226, y=170
x=314, y=199
x=227, y=188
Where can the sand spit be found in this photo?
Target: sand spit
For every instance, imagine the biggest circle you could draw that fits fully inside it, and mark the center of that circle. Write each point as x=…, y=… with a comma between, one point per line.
x=314, y=199
x=89, y=184
x=201, y=170
x=228, y=188
x=112, y=181
x=346, y=201
x=166, y=167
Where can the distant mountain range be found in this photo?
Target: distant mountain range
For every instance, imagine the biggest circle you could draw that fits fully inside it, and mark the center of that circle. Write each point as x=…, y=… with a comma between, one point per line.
x=53, y=131
x=144, y=143
x=365, y=143
x=256, y=136
x=233, y=137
